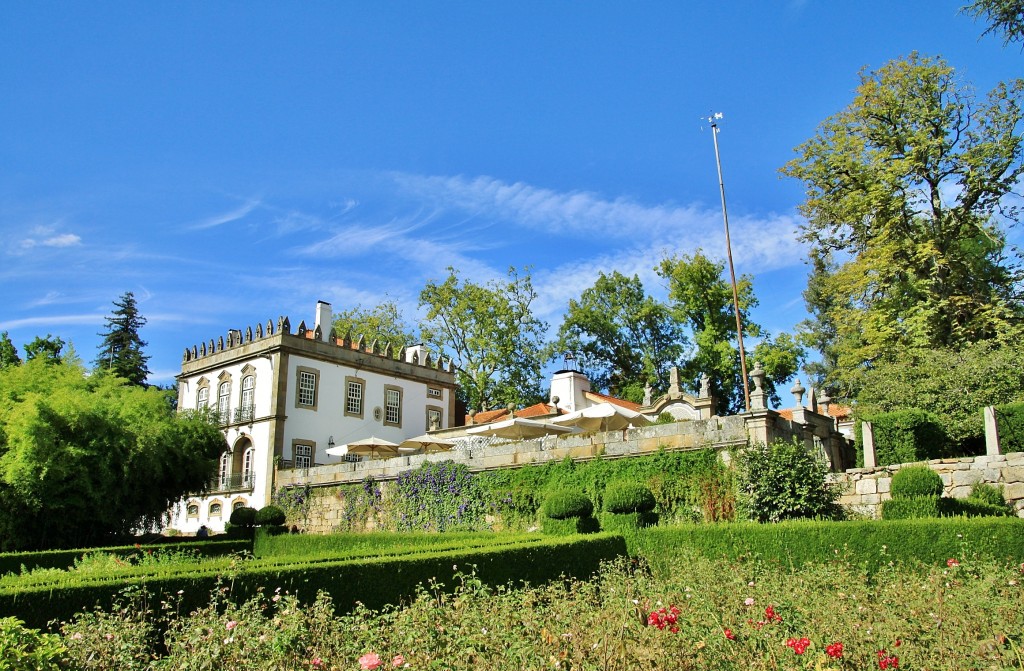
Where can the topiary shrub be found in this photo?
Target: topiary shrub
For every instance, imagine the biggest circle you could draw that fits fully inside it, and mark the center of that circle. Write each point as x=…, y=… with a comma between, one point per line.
x=628, y=497
x=912, y=481
x=569, y=526
x=270, y=516
x=565, y=504
x=244, y=517
x=912, y=507
x=1010, y=421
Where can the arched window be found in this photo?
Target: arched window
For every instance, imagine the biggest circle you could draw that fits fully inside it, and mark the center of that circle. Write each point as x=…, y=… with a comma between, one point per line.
x=248, y=388
x=239, y=503
x=192, y=510
x=225, y=469
x=224, y=402
x=247, y=471
x=202, y=398
x=215, y=509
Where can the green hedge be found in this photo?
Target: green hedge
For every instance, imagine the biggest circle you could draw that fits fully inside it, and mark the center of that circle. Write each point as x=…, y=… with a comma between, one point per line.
x=626, y=522
x=628, y=497
x=1010, y=422
x=375, y=582
x=871, y=543
x=905, y=436
x=914, y=507
x=569, y=526
x=567, y=504
x=17, y=562
x=913, y=481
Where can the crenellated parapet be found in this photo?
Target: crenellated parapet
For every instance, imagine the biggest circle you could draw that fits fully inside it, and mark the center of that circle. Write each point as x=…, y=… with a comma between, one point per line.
x=235, y=338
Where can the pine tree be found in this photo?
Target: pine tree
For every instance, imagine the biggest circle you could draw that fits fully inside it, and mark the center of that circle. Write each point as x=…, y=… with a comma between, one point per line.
x=121, y=349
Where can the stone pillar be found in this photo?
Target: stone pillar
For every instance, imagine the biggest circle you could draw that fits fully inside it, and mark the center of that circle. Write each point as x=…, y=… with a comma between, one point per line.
x=991, y=430
x=868, y=438
x=757, y=396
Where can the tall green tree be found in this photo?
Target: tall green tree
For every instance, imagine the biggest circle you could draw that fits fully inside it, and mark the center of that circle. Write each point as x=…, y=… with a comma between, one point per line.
x=383, y=323
x=121, y=350
x=86, y=458
x=8, y=352
x=491, y=335
x=908, y=191
x=46, y=349
x=1003, y=16
x=701, y=298
x=624, y=339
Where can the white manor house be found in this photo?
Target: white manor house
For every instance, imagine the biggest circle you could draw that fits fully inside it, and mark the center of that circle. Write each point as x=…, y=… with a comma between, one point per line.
x=284, y=398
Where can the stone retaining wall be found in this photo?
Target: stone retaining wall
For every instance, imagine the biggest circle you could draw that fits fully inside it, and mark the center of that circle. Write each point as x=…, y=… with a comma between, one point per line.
x=864, y=489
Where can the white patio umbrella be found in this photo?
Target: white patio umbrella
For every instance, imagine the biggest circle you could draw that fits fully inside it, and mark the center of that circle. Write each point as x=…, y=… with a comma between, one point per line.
x=426, y=443
x=372, y=446
x=602, y=417
x=518, y=427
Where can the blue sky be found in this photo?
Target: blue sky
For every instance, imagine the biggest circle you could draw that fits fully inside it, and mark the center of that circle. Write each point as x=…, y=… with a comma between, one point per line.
x=232, y=162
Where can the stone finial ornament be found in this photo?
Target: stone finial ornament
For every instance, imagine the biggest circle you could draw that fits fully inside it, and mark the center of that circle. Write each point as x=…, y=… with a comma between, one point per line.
x=705, y=385
x=798, y=391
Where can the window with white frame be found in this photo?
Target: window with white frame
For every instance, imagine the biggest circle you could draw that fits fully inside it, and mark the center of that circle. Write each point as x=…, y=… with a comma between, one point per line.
x=392, y=406
x=247, y=472
x=306, y=387
x=303, y=455
x=433, y=392
x=202, y=398
x=224, y=400
x=224, y=472
x=354, y=391
x=248, y=392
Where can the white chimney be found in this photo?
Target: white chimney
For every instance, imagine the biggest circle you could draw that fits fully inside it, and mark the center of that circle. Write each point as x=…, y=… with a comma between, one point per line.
x=324, y=319
x=569, y=386
x=419, y=350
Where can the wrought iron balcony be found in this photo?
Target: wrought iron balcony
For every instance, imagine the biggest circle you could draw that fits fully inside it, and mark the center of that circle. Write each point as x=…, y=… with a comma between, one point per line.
x=244, y=414
x=232, y=482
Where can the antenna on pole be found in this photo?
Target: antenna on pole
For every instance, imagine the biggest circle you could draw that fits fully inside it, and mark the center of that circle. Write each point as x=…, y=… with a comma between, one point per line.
x=713, y=120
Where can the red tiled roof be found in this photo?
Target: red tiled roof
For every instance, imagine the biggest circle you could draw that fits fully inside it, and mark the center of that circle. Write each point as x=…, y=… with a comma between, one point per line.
x=604, y=398
x=488, y=416
x=840, y=412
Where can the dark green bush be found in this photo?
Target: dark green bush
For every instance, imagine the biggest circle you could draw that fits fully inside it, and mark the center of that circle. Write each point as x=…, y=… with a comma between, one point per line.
x=565, y=504
x=628, y=497
x=244, y=517
x=784, y=481
x=625, y=522
x=905, y=436
x=1010, y=423
x=912, y=507
x=270, y=516
x=992, y=495
x=569, y=525
x=912, y=481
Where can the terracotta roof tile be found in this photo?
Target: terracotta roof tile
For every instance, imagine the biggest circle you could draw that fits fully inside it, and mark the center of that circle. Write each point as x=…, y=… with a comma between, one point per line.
x=604, y=398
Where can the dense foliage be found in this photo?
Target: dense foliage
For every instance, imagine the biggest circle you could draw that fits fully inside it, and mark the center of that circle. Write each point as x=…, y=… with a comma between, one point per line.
x=383, y=324
x=622, y=337
x=1010, y=425
x=491, y=336
x=628, y=497
x=564, y=504
x=440, y=496
x=783, y=481
x=84, y=458
x=911, y=481
x=905, y=436
x=908, y=196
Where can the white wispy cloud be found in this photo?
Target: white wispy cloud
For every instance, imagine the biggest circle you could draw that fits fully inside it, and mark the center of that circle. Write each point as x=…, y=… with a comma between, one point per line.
x=52, y=320
x=239, y=212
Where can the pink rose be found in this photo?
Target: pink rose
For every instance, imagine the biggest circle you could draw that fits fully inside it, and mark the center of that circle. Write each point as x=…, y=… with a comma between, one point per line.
x=398, y=661
x=369, y=661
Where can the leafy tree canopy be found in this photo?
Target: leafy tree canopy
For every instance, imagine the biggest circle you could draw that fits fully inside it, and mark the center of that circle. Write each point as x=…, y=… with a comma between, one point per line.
x=47, y=349
x=490, y=334
x=8, y=352
x=1003, y=16
x=383, y=323
x=86, y=457
x=907, y=195
x=623, y=338
x=702, y=299
x=121, y=350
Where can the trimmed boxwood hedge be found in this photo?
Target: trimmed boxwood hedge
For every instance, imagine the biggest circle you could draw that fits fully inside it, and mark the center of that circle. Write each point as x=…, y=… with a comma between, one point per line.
x=626, y=522
x=628, y=497
x=16, y=562
x=911, y=481
x=905, y=436
x=570, y=525
x=871, y=543
x=375, y=582
x=1010, y=423
x=566, y=504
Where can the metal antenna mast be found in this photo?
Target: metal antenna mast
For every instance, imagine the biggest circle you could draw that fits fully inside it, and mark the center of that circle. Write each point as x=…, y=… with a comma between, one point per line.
x=713, y=120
